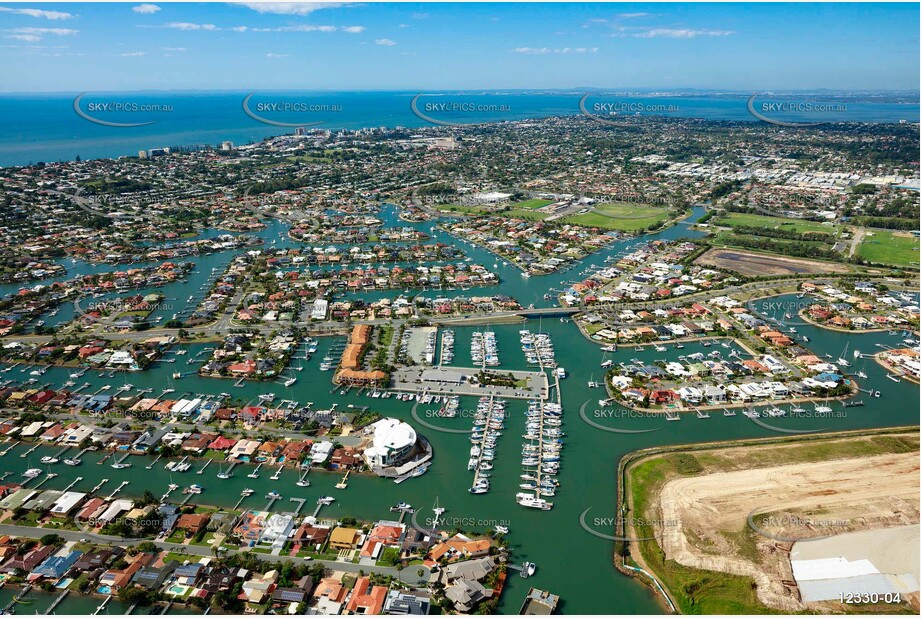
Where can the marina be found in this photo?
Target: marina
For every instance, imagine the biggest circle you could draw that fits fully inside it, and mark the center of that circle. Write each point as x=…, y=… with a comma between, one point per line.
x=500, y=472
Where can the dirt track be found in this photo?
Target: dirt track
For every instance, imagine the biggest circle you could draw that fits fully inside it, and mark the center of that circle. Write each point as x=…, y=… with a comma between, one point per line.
x=799, y=501
x=758, y=264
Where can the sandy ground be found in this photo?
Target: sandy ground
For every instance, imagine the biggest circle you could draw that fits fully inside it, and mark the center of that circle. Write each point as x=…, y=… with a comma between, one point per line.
x=791, y=502
x=754, y=264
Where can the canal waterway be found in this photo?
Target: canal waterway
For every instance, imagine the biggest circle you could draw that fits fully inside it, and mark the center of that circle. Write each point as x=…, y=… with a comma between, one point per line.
x=571, y=562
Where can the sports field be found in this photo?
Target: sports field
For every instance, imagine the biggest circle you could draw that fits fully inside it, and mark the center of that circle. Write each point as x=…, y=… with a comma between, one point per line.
x=894, y=248
x=621, y=216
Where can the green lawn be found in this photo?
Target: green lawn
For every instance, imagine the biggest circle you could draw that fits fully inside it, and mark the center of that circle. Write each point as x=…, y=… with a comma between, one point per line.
x=621, y=216
x=535, y=203
x=524, y=213
x=890, y=248
x=464, y=209
x=738, y=218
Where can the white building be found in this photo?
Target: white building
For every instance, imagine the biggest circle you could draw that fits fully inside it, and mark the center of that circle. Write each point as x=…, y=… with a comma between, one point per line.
x=392, y=441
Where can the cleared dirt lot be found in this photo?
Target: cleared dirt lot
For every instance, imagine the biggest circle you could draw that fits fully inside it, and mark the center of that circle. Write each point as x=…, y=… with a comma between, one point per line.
x=786, y=503
x=755, y=264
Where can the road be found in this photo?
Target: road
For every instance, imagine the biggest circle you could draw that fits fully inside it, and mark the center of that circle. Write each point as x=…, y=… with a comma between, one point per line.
x=408, y=575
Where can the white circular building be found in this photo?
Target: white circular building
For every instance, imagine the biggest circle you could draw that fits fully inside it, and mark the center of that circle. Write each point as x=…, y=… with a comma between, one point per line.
x=392, y=442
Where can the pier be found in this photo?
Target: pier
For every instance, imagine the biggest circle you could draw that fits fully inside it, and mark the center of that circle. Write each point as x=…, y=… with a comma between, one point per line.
x=75, y=481
x=99, y=486
x=10, y=607
x=204, y=467
x=57, y=601
x=117, y=489
x=277, y=474
x=47, y=478
x=151, y=464
x=300, y=505
x=30, y=451
x=240, y=501
x=102, y=606
x=255, y=473
x=271, y=500
x=9, y=448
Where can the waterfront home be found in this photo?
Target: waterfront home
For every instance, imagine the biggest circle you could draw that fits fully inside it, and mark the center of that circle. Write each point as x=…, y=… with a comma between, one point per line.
x=311, y=536
x=191, y=523
x=277, y=530
x=27, y=561
x=250, y=526
x=384, y=534
x=258, y=588
x=152, y=576
x=97, y=559
x=244, y=449
x=67, y=503
x=116, y=508
x=342, y=538
x=462, y=581
x=117, y=579
x=93, y=508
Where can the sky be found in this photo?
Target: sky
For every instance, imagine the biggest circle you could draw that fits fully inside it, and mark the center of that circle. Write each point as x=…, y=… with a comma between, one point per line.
x=75, y=47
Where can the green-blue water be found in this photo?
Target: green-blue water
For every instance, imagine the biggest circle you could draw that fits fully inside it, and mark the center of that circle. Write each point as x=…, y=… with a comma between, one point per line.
x=571, y=562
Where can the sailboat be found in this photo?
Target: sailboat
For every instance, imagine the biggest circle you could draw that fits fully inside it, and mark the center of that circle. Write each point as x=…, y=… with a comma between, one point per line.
x=842, y=360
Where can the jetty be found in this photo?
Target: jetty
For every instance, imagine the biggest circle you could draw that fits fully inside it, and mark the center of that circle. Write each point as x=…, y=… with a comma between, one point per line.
x=300, y=504
x=204, y=467
x=74, y=482
x=277, y=474
x=117, y=489
x=102, y=606
x=57, y=601
x=30, y=451
x=255, y=473
x=99, y=486
x=151, y=464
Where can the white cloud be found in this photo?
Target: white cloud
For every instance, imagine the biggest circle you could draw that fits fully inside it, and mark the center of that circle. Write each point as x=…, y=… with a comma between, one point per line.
x=133, y=54
x=175, y=49
x=33, y=35
x=679, y=33
x=354, y=29
x=291, y=8
x=145, y=9
x=541, y=51
x=633, y=15
x=184, y=25
x=54, y=15
x=420, y=15
x=384, y=42
x=273, y=55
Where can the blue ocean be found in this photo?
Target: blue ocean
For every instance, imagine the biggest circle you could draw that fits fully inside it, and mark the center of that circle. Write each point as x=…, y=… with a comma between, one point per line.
x=46, y=127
